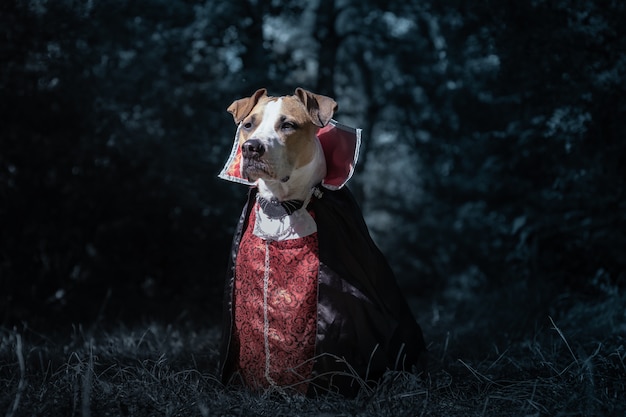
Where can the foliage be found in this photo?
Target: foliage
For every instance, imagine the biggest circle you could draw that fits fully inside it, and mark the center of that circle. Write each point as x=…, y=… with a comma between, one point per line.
x=108, y=164
x=492, y=165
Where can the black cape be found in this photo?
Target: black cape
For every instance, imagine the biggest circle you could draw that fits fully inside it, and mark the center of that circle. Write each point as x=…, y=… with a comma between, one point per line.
x=364, y=324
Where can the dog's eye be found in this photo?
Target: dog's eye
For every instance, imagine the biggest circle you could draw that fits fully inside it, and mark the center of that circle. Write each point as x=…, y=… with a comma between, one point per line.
x=247, y=125
x=288, y=126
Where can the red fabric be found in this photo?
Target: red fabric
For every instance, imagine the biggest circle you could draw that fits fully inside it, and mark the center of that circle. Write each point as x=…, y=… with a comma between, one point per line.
x=291, y=310
x=234, y=169
x=340, y=145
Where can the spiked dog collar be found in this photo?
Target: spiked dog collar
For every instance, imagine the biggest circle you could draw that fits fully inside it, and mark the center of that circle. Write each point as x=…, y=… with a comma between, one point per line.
x=275, y=209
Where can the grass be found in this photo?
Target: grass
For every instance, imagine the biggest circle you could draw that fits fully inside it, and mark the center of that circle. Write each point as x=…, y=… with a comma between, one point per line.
x=155, y=369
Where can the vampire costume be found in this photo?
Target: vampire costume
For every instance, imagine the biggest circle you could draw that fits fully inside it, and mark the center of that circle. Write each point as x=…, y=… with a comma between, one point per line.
x=318, y=313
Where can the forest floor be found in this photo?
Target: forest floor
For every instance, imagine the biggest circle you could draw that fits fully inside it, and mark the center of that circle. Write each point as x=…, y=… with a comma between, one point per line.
x=573, y=366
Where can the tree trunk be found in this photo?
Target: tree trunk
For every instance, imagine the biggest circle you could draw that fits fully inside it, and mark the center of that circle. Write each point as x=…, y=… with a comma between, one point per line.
x=328, y=43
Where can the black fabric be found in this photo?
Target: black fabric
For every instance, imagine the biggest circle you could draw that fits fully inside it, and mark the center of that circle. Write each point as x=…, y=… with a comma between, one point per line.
x=365, y=325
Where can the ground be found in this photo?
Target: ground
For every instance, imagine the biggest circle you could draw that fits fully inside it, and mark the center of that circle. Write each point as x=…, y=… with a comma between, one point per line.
x=156, y=368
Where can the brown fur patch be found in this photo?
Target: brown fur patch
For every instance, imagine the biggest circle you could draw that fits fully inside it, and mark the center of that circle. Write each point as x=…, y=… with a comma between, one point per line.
x=255, y=117
x=299, y=142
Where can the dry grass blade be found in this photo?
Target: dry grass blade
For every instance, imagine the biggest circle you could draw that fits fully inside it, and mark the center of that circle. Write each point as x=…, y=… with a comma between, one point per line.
x=22, y=383
x=562, y=336
x=480, y=377
x=87, y=384
x=497, y=360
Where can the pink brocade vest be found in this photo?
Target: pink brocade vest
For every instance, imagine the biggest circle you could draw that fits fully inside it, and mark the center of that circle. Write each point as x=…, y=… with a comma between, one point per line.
x=275, y=303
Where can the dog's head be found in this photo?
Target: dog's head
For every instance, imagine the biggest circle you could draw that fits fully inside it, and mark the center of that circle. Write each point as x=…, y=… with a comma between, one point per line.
x=278, y=134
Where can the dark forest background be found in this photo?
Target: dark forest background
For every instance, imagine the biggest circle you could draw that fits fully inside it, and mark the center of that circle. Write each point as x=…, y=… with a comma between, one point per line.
x=491, y=172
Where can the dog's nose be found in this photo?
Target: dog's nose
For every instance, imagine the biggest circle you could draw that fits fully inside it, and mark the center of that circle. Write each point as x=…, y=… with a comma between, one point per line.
x=252, y=148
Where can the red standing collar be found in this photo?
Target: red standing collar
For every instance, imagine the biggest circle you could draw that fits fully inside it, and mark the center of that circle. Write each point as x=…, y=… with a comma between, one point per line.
x=341, y=149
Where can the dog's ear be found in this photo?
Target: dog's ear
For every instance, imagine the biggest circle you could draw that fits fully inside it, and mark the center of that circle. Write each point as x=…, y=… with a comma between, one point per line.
x=320, y=108
x=242, y=107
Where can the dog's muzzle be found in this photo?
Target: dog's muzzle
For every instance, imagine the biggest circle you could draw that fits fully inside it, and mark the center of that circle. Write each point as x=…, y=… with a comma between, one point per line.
x=252, y=151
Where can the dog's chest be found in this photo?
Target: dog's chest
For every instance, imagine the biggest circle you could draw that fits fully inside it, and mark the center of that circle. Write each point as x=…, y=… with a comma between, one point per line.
x=275, y=309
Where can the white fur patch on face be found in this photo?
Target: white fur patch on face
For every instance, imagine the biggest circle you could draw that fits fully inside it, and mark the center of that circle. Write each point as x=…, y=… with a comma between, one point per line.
x=266, y=131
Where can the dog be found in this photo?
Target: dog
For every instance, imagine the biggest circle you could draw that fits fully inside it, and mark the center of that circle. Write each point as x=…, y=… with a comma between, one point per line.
x=310, y=302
